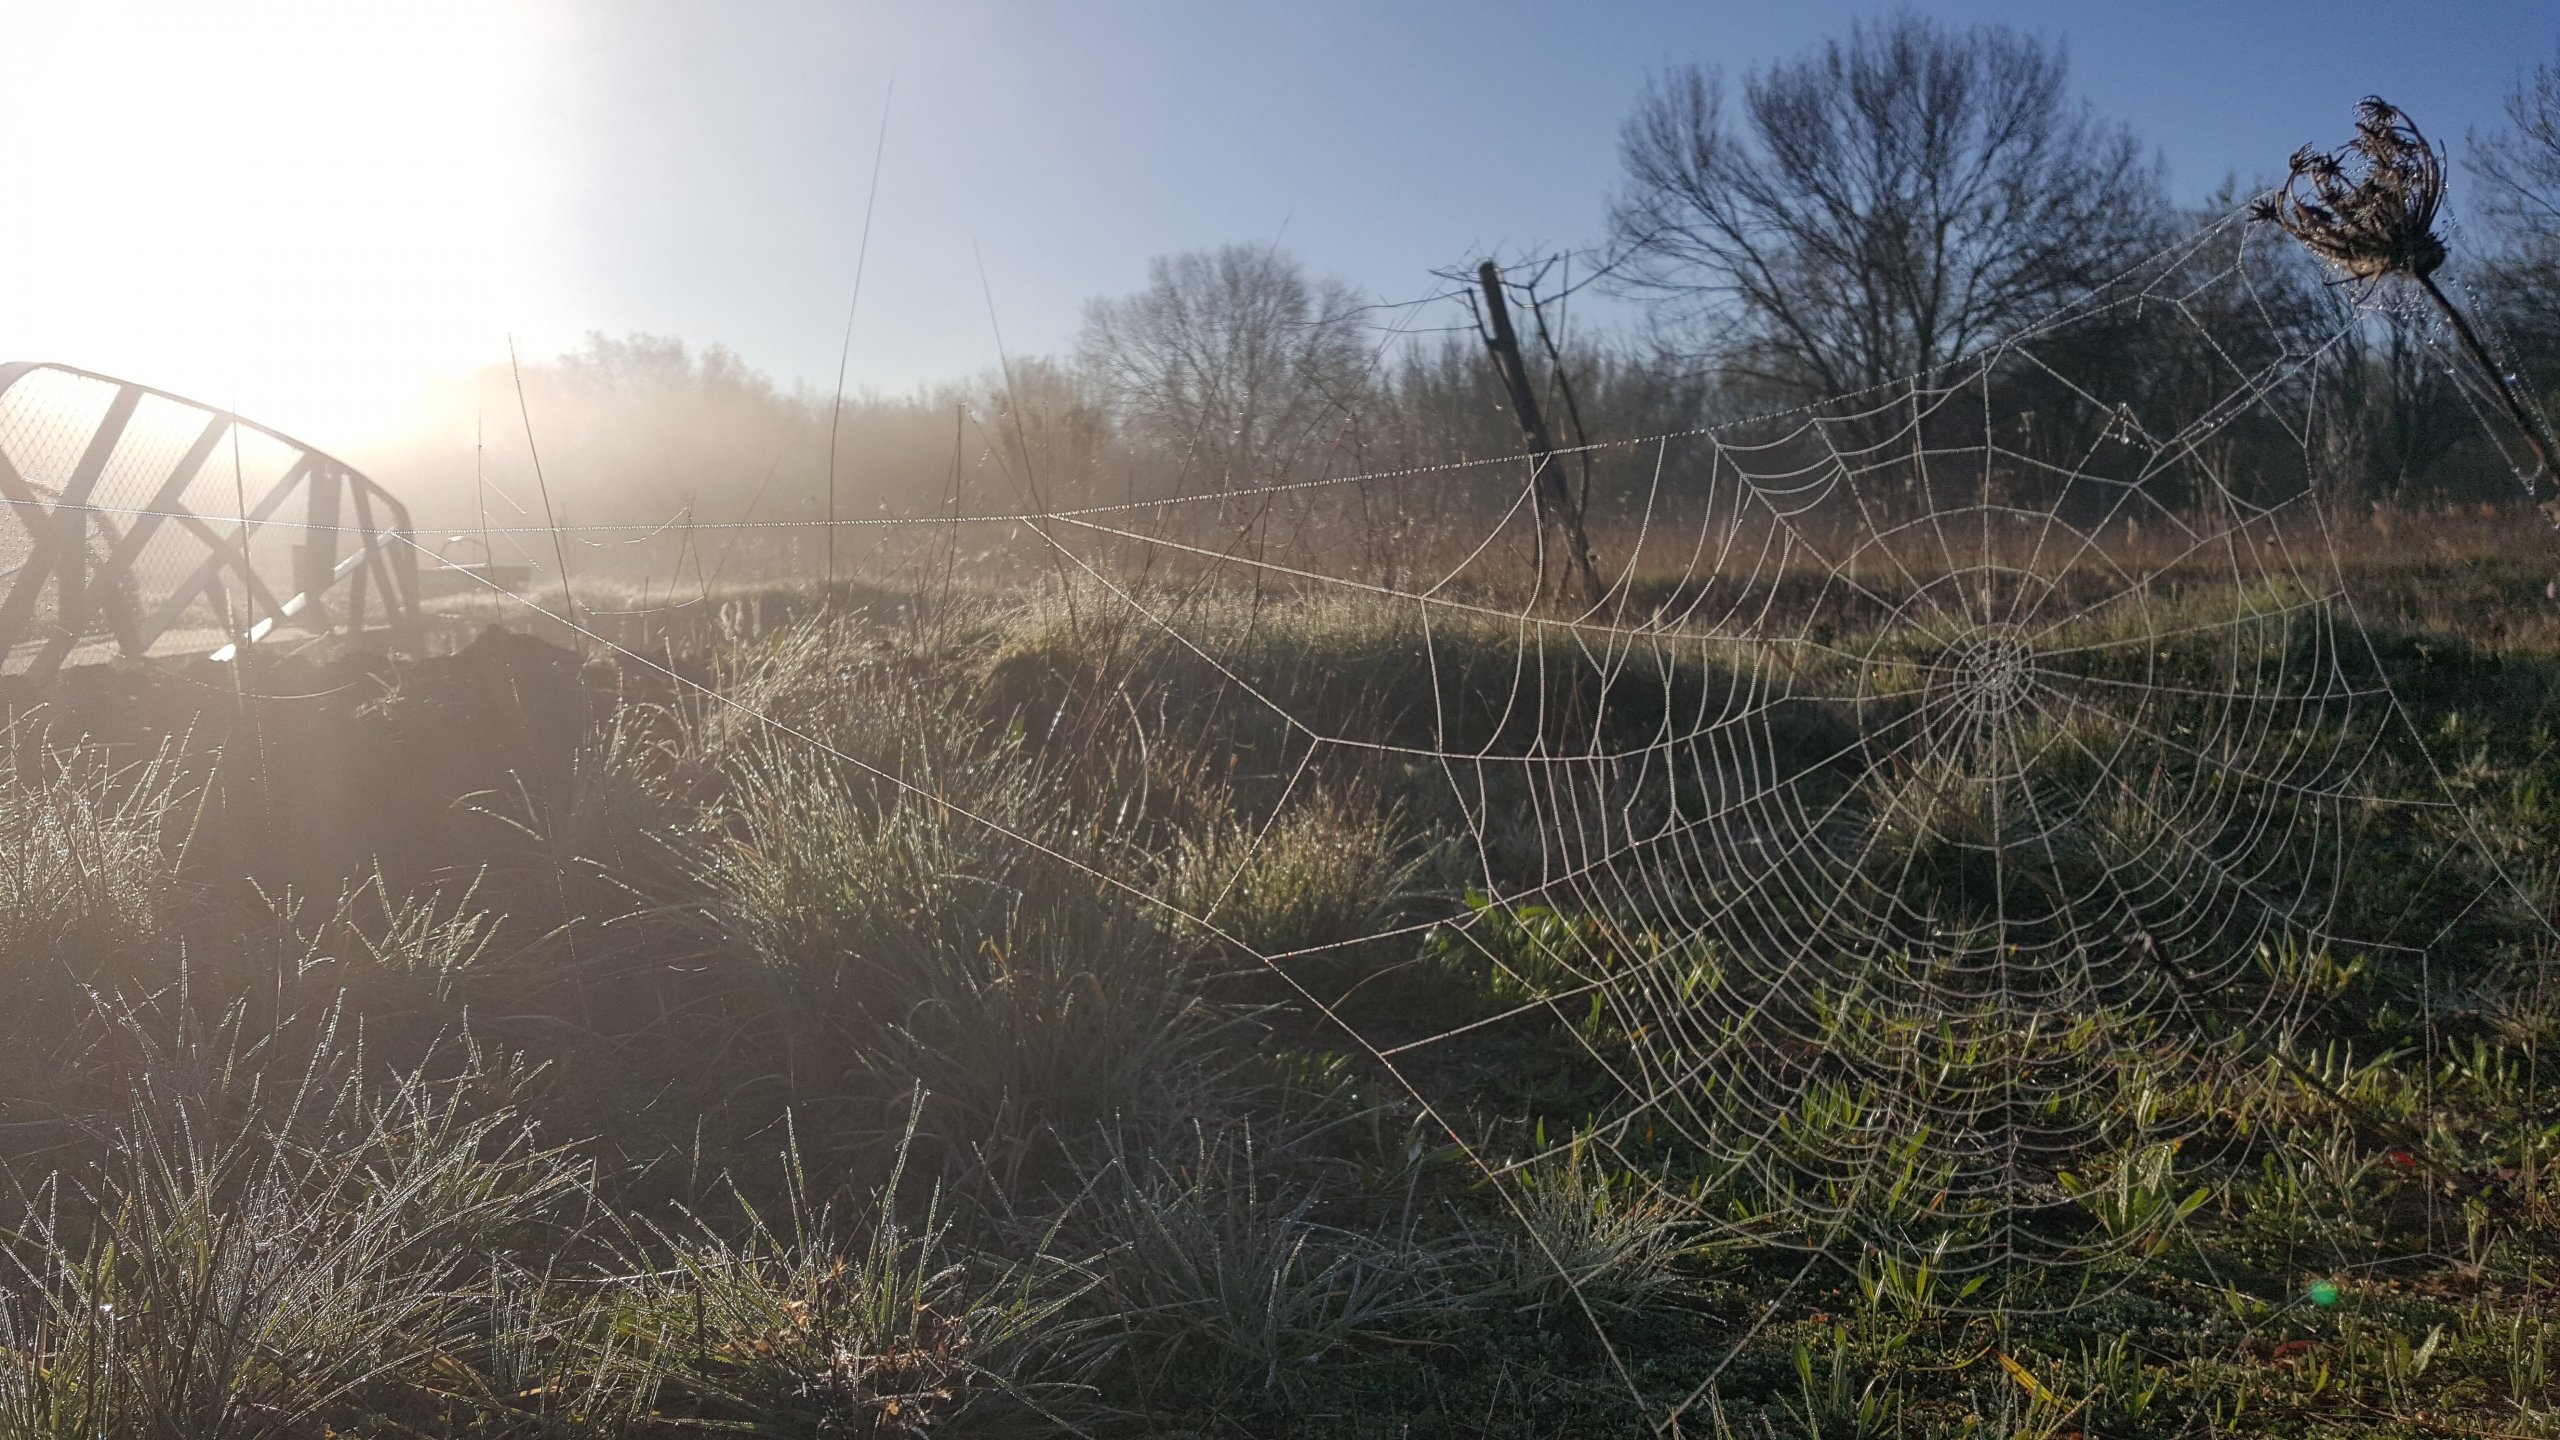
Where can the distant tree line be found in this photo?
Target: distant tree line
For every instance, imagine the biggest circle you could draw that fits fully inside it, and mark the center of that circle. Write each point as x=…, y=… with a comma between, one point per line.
x=1880, y=208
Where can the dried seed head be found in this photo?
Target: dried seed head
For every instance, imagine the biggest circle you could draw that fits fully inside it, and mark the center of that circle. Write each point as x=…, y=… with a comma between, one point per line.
x=2369, y=208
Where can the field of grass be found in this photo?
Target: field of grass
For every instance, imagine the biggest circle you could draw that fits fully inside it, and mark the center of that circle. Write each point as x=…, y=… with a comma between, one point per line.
x=1029, y=1015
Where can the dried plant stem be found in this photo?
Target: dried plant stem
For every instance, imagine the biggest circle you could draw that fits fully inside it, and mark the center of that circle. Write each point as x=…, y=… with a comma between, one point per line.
x=2537, y=434
x=2368, y=210
x=550, y=520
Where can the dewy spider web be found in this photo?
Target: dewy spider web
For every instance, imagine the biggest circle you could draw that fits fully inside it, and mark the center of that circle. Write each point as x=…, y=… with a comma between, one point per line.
x=1950, y=802
x=1971, y=806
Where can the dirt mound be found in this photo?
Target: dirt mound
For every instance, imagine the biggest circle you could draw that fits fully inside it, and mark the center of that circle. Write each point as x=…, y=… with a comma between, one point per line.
x=308, y=768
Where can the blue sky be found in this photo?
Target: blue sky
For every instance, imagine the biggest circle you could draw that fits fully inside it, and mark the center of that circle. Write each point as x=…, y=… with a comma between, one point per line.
x=310, y=206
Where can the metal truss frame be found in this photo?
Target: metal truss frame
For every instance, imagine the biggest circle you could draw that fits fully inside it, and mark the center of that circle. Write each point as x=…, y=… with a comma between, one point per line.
x=85, y=553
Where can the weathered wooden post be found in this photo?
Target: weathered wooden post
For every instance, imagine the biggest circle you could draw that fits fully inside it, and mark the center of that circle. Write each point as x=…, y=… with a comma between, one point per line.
x=1553, y=498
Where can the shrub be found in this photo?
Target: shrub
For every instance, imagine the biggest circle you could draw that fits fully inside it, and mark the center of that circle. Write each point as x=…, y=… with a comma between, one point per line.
x=251, y=1259
x=82, y=875
x=1585, y=1236
x=83, y=886
x=1216, y=1278
x=1303, y=889
x=824, y=1328
x=901, y=941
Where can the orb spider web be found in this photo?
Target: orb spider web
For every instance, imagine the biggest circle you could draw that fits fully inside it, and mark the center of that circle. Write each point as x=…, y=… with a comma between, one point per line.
x=1953, y=803
x=1976, y=825
x=1954, y=800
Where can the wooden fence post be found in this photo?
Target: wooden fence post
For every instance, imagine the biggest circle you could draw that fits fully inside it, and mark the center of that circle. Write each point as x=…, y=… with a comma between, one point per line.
x=1553, y=497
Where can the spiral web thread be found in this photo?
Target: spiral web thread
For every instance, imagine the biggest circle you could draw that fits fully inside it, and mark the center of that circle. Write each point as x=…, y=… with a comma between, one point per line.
x=1950, y=801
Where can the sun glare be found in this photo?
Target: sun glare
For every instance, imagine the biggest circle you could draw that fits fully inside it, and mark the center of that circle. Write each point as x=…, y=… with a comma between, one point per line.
x=300, y=208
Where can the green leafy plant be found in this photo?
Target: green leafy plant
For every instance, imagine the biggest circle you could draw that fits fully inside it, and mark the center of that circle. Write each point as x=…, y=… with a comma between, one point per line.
x=2138, y=1201
x=1832, y=1402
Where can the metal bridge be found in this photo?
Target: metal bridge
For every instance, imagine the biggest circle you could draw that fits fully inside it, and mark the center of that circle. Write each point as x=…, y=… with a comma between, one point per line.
x=138, y=522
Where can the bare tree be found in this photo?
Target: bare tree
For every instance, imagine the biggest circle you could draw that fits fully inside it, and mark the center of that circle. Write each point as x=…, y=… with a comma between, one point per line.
x=1885, y=204
x=1231, y=359
x=2520, y=201
x=2522, y=166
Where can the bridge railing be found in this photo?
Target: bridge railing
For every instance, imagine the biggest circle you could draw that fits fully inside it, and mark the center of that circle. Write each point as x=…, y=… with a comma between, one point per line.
x=137, y=522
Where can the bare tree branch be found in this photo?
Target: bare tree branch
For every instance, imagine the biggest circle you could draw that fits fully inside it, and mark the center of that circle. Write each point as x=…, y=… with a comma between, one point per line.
x=1879, y=207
